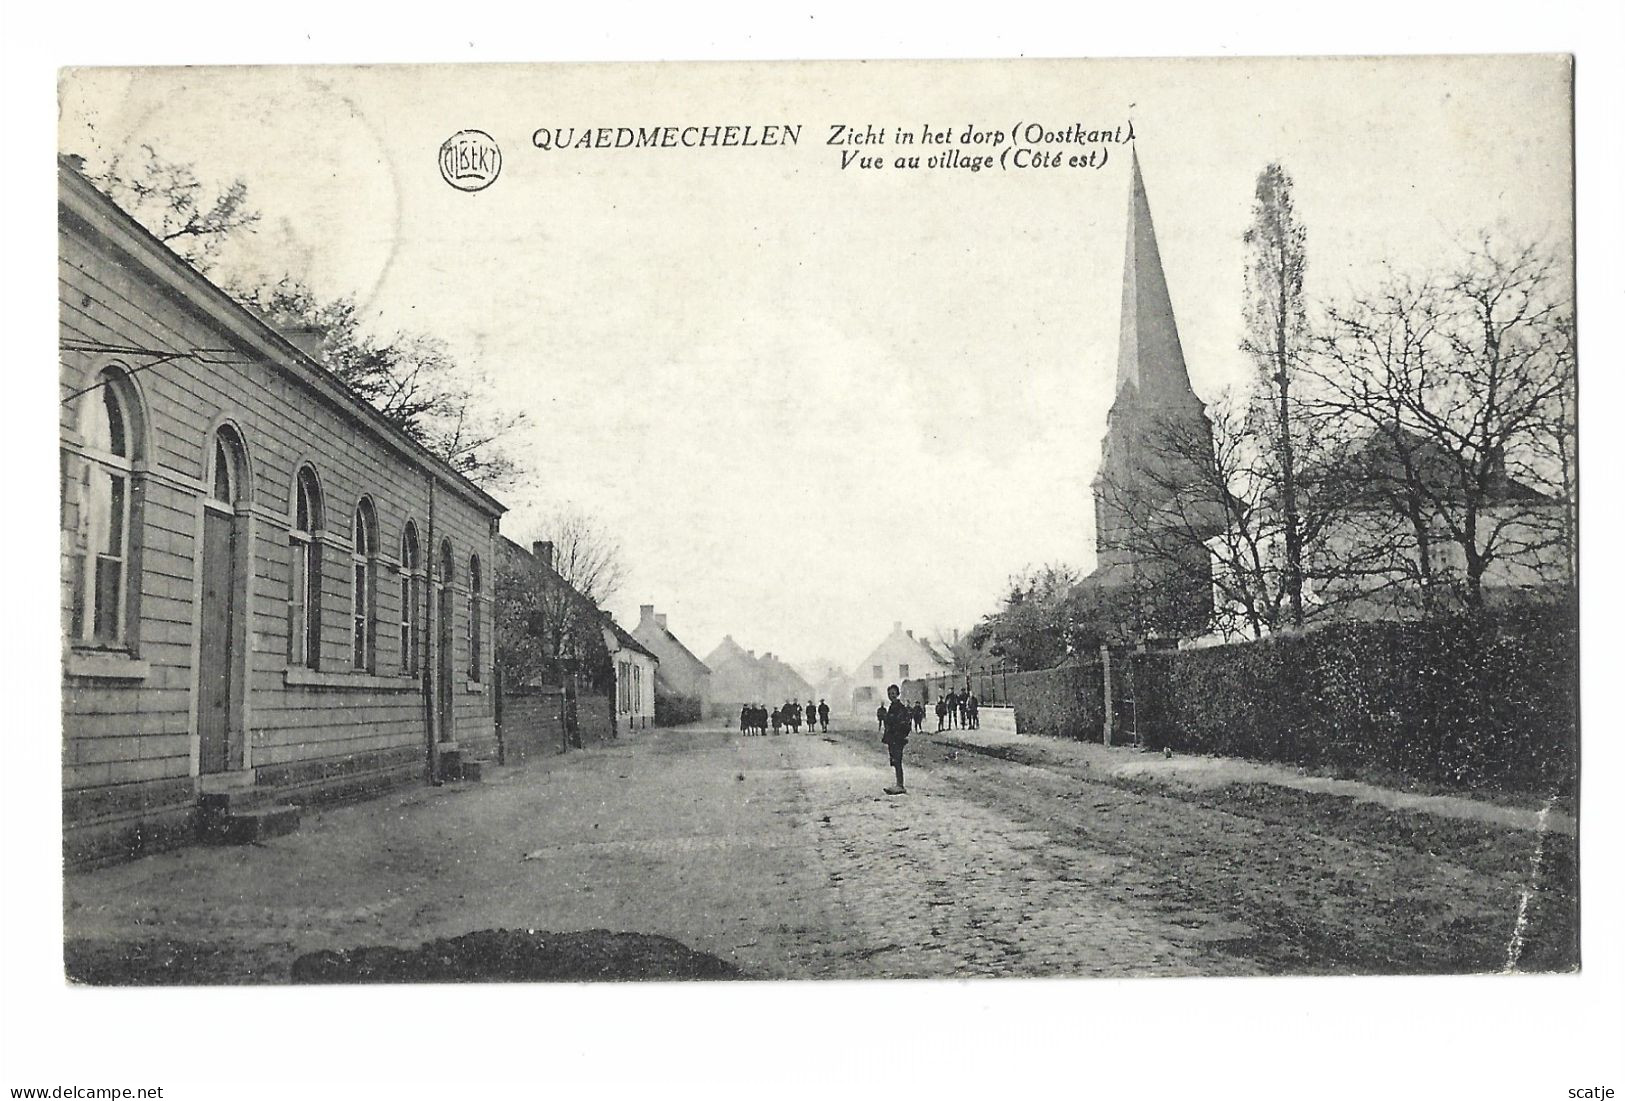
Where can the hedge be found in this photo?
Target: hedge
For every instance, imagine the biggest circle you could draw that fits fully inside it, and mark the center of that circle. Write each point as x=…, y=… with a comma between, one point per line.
x=1482, y=700
x=676, y=710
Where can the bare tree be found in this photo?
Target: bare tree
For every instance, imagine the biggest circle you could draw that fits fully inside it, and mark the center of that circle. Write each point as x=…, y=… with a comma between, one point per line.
x=1277, y=339
x=169, y=200
x=554, y=610
x=547, y=629
x=586, y=553
x=1205, y=512
x=1461, y=381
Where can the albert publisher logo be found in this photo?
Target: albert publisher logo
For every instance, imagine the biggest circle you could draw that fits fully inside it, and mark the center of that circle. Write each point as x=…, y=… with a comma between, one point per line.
x=470, y=160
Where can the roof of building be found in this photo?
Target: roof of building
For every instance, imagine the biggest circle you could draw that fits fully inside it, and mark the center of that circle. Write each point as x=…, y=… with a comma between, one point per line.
x=648, y=627
x=1378, y=462
x=726, y=650
x=900, y=642
x=88, y=205
x=625, y=640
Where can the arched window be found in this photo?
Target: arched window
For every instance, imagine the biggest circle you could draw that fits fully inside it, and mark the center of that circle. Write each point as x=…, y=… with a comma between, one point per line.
x=305, y=572
x=476, y=619
x=101, y=582
x=363, y=596
x=411, y=572
x=228, y=468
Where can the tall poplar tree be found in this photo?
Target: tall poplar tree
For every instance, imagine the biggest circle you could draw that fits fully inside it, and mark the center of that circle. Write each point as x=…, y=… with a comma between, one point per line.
x=1277, y=339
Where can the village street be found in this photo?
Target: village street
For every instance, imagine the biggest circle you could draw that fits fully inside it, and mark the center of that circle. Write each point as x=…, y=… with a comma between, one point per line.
x=781, y=856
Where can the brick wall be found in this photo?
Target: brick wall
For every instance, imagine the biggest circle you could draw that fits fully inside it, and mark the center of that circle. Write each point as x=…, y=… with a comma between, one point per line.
x=532, y=724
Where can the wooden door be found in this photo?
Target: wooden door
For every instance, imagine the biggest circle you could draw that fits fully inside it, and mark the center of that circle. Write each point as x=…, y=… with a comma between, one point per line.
x=215, y=654
x=445, y=666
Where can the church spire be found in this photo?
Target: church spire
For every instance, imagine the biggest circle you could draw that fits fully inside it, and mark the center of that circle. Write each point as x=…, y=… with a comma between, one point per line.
x=1149, y=357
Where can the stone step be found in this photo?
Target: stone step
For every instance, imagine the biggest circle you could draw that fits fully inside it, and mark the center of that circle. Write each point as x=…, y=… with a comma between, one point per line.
x=451, y=764
x=258, y=825
x=474, y=771
x=225, y=801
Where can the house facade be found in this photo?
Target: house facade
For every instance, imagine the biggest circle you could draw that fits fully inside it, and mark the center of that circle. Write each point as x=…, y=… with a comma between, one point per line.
x=899, y=657
x=264, y=585
x=1377, y=557
x=635, y=670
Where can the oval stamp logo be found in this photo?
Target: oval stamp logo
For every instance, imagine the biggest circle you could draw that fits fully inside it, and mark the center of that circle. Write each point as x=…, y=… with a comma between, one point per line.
x=470, y=160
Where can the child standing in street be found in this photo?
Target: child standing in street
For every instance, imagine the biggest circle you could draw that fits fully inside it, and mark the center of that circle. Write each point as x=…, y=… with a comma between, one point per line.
x=899, y=719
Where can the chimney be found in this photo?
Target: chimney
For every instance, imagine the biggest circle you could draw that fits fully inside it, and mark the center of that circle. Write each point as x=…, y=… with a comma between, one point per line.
x=543, y=549
x=897, y=625
x=661, y=619
x=751, y=654
x=307, y=338
x=646, y=613
x=911, y=633
x=956, y=636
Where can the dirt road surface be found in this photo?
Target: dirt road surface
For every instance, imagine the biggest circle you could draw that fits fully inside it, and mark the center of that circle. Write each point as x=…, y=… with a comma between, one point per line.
x=782, y=857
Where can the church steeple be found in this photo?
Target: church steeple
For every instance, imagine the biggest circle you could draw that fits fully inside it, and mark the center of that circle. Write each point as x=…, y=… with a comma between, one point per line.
x=1150, y=360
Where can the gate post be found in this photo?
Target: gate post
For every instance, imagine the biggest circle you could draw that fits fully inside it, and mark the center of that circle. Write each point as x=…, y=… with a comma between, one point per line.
x=1106, y=691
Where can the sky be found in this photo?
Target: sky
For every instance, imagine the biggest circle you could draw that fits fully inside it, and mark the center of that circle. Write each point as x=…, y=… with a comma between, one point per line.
x=811, y=401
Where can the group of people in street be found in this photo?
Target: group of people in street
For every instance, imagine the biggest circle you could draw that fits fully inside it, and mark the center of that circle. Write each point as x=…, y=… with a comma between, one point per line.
x=756, y=719
x=955, y=711
x=958, y=711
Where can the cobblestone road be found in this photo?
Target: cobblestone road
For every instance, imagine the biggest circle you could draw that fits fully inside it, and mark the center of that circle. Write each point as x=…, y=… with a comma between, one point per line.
x=778, y=853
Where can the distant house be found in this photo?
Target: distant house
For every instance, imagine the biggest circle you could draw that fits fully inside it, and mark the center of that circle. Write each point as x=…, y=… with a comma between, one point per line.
x=636, y=667
x=899, y=657
x=1372, y=562
x=834, y=686
x=739, y=677
x=682, y=681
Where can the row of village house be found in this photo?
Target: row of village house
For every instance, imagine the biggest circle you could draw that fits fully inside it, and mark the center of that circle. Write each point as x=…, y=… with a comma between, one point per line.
x=269, y=595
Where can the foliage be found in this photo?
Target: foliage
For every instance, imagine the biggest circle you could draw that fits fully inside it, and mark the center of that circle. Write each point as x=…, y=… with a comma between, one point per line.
x=411, y=378
x=1484, y=698
x=1046, y=616
x=171, y=202
x=672, y=710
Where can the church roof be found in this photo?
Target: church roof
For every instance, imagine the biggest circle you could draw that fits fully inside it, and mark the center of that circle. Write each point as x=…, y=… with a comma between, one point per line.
x=1150, y=360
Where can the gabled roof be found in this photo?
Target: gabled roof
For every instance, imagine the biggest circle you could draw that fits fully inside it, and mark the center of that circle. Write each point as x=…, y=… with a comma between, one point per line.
x=1377, y=461
x=625, y=640
x=676, y=644
x=727, y=650
x=900, y=641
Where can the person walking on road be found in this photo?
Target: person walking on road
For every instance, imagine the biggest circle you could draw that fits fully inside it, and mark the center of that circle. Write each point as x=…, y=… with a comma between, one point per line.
x=812, y=717
x=953, y=708
x=823, y=715
x=942, y=714
x=972, y=705
x=897, y=723
x=880, y=717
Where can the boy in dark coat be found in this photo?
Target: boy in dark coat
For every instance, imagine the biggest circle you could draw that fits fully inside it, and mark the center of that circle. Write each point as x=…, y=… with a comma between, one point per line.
x=899, y=719
x=823, y=715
